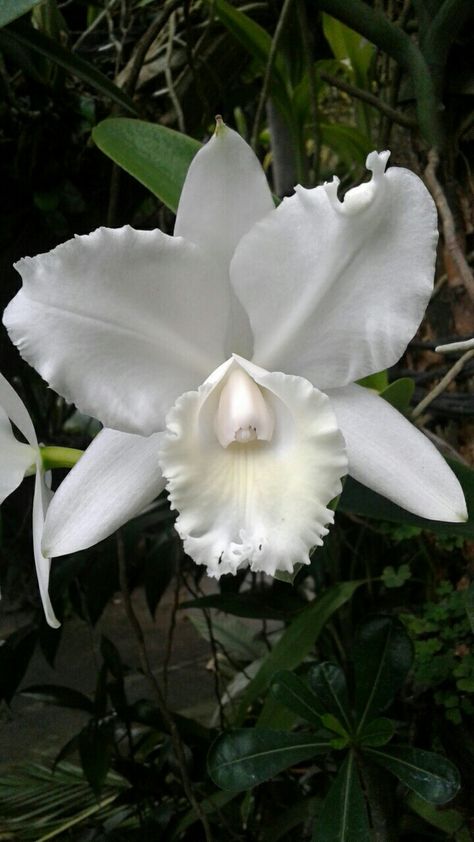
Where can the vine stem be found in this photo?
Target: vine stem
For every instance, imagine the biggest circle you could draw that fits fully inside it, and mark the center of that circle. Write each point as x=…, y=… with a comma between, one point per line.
x=447, y=221
x=443, y=384
x=162, y=706
x=268, y=70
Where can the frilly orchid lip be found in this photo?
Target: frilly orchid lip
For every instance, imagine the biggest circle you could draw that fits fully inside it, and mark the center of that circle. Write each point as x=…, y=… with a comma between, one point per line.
x=316, y=293
x=17, y=459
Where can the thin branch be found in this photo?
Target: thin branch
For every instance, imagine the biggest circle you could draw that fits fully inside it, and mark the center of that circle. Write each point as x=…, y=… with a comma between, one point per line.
x=370, y=99
x=447, y=222
x=268, y=70
x=145, y=43
x=176, y=741
x=443, y=384
x=169, y=75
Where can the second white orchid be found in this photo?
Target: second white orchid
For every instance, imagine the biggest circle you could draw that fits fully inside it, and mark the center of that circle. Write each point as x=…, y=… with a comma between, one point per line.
x=222, y=360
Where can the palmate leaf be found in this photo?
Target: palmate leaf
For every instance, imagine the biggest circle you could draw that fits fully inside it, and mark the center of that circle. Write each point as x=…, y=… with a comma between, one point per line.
x=295, y=694
x=344, y=813
x=430, y=775
x=245, y=757
x=156, y=156
x=382, y=655
x=297, y=640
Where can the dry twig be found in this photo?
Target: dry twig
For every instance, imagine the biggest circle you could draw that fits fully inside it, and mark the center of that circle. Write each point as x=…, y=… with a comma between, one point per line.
x=443, y=384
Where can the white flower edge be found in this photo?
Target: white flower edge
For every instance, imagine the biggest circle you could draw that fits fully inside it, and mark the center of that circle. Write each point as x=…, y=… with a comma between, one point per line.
x=17, y=459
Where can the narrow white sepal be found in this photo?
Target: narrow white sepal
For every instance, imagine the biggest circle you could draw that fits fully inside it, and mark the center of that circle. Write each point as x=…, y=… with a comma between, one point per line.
x=390, y=455
x=116, y=478
x=260, y=503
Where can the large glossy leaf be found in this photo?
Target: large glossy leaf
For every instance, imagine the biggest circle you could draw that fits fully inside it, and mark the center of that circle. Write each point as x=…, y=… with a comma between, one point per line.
x=328, y=684
x=382, y=655
x=31, y=38
x=298, y=639
x=344, y=814
x=11, y=9
x=377, y=732
x=294, y=693
x=156, y=156
x=65, y=697
x=349, y=143
x=15, y=655
x=245, y=757
x=266, y=605
x=358, y=499
x=430, y=775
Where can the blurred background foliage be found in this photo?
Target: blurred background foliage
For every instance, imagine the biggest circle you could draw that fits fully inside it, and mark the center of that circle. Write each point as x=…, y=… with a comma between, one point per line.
x=342, y=705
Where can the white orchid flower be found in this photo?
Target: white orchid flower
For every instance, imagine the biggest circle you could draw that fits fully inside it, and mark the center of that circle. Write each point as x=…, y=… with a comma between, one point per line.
x=19, y=459
x=267, y=309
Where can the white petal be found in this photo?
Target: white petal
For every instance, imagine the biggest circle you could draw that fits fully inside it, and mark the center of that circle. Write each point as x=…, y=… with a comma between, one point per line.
x=15, y=458
x=121, y=322
x=17, y=411
x=389, y=455
x=115, y=479
x=262, y=503
x=336, y=290
x=224, y=194
x=41, y=499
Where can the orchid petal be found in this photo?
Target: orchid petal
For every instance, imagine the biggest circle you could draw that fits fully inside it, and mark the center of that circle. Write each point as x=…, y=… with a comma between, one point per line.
x=224, y=194
x=335, y=290
x=17, y=411
x=115, y=479
x=41, y=499
x=388, y=454
x=15, y=456
x=121, y=322
x=262, y=503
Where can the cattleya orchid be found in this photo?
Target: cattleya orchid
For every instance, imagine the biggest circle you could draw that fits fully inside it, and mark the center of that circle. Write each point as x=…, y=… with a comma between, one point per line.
x=18, y=460
x=221, y=360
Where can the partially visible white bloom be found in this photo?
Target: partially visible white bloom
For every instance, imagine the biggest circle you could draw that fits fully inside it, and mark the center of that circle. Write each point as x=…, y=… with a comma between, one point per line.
x=18, y=459
x=207, y=356
x=464, y=345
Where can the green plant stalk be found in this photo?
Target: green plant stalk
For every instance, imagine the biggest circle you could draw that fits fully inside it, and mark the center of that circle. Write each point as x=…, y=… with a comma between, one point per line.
x=79, y=818
x=374, y=26
x=440, y=35
x=59, y=457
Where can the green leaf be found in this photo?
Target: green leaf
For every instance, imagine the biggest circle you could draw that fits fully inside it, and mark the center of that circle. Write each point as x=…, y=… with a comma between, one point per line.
x=451, y=821
x=344, y=814
x=265, y=605
x=328, y=683
x=348, y=45
x=299, y=813
x=396, y=578
x=95, y=750
x=245, y=757
x=382, y=655
x=54, y=694
x=156, y=156
x=469, y=605
x=377, y=381
x=257, y=42
x=15, y=655
x=357, y=499
x=399, y=393
x=377, y=732
x=349, y=143
x=294, y=693
x=430, y=775
x=11, y=9
x=26, y=36
x=297, y=640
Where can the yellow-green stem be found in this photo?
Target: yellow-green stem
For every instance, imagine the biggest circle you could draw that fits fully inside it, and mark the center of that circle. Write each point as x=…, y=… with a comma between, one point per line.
x=59, y=457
